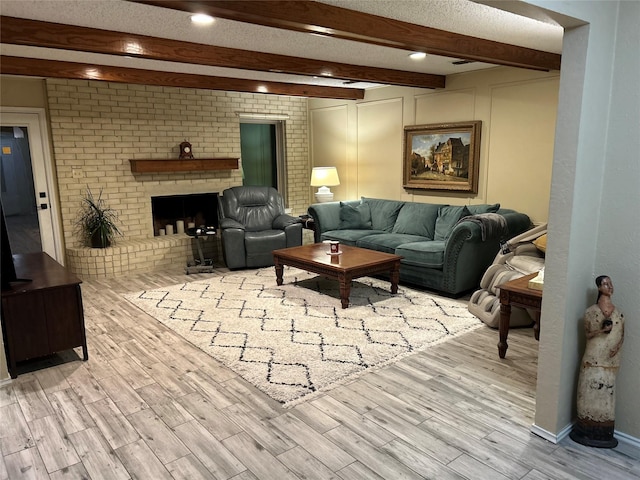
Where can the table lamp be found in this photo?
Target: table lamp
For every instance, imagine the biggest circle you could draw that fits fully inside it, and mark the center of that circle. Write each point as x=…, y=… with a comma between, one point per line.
x=323, y=178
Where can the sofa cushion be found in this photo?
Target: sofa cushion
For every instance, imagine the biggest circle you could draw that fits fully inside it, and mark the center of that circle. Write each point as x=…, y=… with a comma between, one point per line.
x=483, y=208
x=355, y=217
x=422, y=254
x=417, y=219
x=448, y=216
x=387, y=242
x=348, y=237
x=383, y=213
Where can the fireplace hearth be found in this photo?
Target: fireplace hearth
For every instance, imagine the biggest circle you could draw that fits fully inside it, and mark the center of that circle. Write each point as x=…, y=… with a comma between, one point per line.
x=171, y=211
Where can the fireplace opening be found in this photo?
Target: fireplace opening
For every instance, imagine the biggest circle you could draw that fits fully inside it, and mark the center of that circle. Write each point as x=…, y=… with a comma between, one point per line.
x=173, y=213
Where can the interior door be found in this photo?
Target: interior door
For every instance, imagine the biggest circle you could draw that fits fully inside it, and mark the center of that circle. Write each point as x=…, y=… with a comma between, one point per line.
x=258, y=146
x=26, y=184
x=16, y=172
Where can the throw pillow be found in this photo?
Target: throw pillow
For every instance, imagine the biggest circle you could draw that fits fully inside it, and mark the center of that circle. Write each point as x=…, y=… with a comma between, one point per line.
x=448, y=216
x=355, y=218
x=541, y=243
x=417, y=219
x=483, y=208
x=383, y=212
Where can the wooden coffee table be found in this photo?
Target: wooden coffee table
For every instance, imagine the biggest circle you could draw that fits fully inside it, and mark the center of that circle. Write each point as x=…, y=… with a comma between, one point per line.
x=353, y=262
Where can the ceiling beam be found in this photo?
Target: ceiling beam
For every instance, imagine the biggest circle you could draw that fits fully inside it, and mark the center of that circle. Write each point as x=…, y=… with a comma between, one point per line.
x=338, y=22
x=20, y=31
x=31, y=67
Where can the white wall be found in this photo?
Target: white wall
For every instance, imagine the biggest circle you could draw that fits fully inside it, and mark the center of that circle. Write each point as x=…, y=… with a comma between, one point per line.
x=594, y=218
x=517, y=108
x=619, y=235
x=329, y=126
x=379, y=141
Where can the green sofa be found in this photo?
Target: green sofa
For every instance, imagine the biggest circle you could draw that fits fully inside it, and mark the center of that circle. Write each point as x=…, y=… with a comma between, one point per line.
x=444, y=247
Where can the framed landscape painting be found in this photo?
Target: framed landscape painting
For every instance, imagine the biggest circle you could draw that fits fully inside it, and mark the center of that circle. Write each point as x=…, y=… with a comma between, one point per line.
x=442, y=156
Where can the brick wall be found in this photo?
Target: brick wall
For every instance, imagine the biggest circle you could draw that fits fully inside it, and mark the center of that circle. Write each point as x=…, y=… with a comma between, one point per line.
x=97, y=127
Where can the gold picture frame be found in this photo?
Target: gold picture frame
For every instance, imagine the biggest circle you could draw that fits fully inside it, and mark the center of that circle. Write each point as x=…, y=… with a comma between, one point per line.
x=442, y=157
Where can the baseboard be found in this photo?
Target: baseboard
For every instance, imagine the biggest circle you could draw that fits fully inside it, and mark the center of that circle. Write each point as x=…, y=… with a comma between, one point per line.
x=557, y=438
x=628, y=439
x=551, y=437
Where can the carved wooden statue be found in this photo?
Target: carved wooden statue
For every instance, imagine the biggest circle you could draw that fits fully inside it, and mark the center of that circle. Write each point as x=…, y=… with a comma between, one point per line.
x=604, y=329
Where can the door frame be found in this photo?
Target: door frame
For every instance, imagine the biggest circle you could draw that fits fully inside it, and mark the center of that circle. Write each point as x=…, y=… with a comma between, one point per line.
x=42, y=161
x=281, y=152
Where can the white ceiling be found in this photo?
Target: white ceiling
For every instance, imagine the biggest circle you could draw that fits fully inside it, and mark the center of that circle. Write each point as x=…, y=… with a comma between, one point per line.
x=459, y=16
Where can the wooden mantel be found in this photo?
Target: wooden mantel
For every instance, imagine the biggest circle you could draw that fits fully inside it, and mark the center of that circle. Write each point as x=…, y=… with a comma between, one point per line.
x=183, y=165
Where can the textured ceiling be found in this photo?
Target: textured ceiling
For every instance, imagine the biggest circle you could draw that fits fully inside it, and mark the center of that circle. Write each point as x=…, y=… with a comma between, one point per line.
x=459, y=16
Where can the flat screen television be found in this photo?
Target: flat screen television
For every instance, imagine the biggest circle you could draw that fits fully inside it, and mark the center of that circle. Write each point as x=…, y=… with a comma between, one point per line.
x=8, y=268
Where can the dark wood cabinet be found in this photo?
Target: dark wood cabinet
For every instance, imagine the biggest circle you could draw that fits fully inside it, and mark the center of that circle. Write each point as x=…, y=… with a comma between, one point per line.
x=43, y=314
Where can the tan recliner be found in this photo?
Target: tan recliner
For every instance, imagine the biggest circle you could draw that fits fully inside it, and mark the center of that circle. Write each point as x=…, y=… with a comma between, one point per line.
x=519, y=257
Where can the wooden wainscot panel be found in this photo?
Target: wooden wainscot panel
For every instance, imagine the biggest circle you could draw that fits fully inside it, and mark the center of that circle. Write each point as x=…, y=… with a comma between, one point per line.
x=186, y=165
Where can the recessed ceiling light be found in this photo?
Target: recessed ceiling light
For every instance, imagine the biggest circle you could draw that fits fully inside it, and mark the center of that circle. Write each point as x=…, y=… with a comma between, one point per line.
x=202, y=19
x=417, y=56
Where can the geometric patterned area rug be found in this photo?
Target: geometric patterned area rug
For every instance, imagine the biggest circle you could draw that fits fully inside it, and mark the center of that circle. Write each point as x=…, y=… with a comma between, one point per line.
x=295, y=340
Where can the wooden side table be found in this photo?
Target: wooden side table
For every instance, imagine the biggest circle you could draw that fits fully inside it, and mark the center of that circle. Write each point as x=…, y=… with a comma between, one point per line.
x=517, y=293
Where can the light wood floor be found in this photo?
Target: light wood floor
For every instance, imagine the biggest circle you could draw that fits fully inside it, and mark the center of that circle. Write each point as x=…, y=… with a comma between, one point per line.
x=148, y=405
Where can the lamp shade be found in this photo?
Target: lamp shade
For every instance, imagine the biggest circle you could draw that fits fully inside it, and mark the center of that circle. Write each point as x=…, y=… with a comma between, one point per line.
x=323, y=178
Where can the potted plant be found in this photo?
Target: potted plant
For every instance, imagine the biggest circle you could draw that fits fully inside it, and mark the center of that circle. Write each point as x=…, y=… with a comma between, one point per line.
x=97, y=222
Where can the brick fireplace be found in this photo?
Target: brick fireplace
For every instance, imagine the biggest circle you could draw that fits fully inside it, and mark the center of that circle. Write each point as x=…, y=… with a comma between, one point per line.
x=99, y=127
x=176, y=211
x=163, y=250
